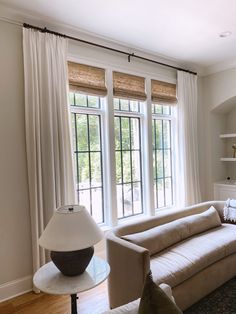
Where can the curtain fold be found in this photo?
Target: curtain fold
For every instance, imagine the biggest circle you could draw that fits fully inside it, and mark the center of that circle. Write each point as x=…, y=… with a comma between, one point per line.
x=48, y=141
x=187, y=144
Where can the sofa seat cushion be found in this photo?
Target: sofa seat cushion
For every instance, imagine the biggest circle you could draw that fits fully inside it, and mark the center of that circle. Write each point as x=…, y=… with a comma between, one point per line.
x=158, y=238
x=185, y=259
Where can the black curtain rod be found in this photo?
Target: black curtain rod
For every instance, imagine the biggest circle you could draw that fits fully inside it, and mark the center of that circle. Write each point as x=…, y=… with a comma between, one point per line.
x=129, y=55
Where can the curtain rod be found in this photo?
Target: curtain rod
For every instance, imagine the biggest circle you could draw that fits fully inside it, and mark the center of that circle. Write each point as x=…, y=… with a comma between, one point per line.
x=129, y=55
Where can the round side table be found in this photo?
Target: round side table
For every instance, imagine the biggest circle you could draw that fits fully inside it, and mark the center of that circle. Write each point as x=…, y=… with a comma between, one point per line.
x=50, y=280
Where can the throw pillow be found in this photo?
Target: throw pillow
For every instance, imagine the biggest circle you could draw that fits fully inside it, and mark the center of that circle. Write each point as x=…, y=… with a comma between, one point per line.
x=160, y=237
x=155, y=301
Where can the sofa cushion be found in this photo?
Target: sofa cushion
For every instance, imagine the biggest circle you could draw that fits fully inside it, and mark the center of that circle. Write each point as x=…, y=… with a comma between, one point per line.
x=185, y=259
x=158, y=238
x=155, y=301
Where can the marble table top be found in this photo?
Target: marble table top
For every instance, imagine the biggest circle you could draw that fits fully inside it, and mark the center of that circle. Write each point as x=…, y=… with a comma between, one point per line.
x=50, y=280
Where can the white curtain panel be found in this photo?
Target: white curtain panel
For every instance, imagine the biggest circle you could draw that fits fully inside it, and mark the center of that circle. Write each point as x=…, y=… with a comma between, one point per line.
x=187, y=144
x=48, y=141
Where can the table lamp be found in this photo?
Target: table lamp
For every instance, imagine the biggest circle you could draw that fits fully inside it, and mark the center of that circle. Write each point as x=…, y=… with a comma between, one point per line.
x=70, y=236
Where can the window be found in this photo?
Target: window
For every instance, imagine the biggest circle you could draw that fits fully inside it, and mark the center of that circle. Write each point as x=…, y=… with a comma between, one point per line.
x=87, y=144
x=128, y=157
x=112, y=158
x=162, y=156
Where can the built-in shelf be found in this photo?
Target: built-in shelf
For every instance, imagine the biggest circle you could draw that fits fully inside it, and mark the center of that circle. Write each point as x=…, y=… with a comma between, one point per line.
x=227, y=135
x=228, y=159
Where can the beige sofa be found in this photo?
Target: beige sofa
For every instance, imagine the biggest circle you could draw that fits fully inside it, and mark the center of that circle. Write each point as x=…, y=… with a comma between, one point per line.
x=188, y=249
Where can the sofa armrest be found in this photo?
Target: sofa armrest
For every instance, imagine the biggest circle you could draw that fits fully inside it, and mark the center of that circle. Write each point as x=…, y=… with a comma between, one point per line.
x=129, y=265
x=132, y=307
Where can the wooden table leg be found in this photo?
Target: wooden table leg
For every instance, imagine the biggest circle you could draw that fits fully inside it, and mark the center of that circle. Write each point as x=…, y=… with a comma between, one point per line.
x=74, y=303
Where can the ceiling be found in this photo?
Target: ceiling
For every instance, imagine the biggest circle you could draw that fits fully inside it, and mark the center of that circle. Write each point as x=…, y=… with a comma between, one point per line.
x=184, y=30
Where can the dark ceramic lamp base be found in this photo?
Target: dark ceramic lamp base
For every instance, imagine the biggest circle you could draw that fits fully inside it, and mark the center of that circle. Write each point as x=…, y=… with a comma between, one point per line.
x=72, y=263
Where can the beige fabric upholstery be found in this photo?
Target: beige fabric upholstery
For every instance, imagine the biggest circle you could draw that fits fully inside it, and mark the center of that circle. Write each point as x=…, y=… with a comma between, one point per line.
x=193, y=289
x=158, y=238
x=206, y=265
x=132, y=307
x=184, y=260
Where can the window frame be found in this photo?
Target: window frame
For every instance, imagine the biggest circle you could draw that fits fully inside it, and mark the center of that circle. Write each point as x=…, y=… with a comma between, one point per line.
x=172, y=118
x=140, y=116
x=100, y=113
x=108, y=139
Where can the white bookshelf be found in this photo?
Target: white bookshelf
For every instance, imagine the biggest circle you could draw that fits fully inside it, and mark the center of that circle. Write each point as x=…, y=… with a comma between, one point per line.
x=231, y=135
x=227, y=136
x=227, y=159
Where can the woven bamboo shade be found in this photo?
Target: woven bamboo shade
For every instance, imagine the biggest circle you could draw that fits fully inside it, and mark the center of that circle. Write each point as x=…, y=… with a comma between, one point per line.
x=163, y=92
x=86, y=79
x=129, y=86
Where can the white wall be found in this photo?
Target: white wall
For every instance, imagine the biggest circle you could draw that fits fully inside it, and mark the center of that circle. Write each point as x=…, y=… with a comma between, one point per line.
x=15, y=238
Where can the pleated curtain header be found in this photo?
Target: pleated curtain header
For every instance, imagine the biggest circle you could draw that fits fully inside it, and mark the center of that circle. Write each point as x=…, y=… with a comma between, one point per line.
x=87, y=79
x=163, y=92
x=129, y=86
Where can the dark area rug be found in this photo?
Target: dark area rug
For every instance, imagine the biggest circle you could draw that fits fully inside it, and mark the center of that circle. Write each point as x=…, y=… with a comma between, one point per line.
x=222, y=300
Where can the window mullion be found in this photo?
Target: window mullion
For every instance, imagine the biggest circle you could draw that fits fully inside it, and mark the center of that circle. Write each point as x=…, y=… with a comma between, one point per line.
x=147, y=164
x=109, y=155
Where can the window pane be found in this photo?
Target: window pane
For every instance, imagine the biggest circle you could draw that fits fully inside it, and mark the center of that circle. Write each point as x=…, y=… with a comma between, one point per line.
x=118, y=168
x=160, y=189
x=116, y=104
x=127, y=200
x=97, y=205
x=134, y=106
x=71, y=99
x=96, y=171
x=134, y=124
x=154, y=165
x=80, y=100
x=166, y=110
x=159, y=163
x=136, y=166
x=168, y=192
x=124, y=105
x=166, y=133
x=86, y=131
x=137, y=197
x=125, y=133
x=167, y=163
x=128, y=166
x=84, y=199
x=157, y=109
x=93, y=102
x=82, y=132
x=158, y=124
x=162, y=156
x=117, y=133
x=83, y=162
x=94, y=132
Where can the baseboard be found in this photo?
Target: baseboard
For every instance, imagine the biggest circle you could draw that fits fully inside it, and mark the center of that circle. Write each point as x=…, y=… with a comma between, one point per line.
x=14, y=288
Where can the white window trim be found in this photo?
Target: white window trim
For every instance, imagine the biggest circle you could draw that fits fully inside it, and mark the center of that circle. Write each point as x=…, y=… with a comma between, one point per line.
x=171, y=118
x=107, y=114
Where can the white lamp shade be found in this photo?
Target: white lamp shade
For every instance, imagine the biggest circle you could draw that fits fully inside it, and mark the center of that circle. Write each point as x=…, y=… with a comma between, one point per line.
x=70, y=230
